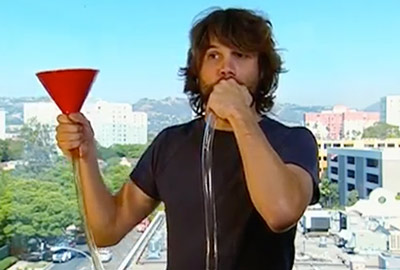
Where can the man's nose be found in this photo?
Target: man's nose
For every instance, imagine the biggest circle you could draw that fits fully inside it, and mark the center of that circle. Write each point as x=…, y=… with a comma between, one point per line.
x=227, y=68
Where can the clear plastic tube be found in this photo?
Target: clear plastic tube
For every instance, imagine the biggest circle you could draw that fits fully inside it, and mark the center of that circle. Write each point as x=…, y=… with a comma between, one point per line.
x=208, y=195
x=95, y=260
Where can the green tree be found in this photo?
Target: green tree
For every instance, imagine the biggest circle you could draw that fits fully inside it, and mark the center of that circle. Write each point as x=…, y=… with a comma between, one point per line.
x=352, y=197
x=105, y=153
x=10, y=150
x=129, y=150
x=39, y=148
x=115, y=176
x=4, y=154
x=15, y=149
x=381, y=130
x=329, y=194
x=33, y=208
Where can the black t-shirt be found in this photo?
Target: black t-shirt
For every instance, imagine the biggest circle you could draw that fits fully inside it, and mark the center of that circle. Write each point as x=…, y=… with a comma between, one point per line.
x=170, y=171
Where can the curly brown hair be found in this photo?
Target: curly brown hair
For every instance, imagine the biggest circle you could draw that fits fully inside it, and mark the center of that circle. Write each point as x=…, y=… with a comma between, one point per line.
x=242, y=29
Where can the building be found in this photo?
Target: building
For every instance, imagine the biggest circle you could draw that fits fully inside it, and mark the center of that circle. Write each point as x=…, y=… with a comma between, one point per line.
x=363, y=170
x=390, y=110
x=389, y=260
x=113, y=123
x=44, y=112
x=324, y=145
x=2, y=124
x=116, y=123
x=339, y=123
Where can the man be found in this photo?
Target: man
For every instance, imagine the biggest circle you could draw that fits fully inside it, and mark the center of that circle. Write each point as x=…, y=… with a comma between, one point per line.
x=264, y=173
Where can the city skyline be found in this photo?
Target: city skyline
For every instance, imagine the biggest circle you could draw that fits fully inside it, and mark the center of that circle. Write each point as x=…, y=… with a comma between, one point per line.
x=334, y=52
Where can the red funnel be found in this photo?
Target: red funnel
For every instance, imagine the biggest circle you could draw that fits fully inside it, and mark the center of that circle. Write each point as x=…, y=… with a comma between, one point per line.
x=69, y=87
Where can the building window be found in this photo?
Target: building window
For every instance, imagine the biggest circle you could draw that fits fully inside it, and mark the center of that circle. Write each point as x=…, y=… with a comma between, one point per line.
x=348, y=145
x=334, y=157
x=326, y=145
x=369, y=145
x=372, y=178
x=390, y=145
x=324, y=158
x=372, y=163
x=334, y=181
x=334, y=170
x=351, y=173
x=336, y=145
x=350, y=187
x=350, y=160
x=381, y=145
x=369, y=190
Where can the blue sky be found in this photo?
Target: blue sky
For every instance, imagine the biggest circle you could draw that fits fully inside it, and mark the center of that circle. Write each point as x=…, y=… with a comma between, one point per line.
x=337, y=52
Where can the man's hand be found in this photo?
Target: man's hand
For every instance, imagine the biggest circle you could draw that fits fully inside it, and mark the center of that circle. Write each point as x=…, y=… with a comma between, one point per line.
x=74, y=132
x=229, y=99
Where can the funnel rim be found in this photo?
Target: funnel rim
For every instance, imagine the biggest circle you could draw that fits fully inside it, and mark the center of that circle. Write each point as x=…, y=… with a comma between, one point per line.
x=67, y=70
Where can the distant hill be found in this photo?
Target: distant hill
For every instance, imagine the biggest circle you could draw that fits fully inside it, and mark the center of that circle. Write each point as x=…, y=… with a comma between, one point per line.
x=373, y=107
x=165, y=112
x=292, y=114
x=14, y=108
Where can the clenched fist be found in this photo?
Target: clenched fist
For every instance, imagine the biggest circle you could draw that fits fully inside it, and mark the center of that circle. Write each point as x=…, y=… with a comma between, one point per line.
x=74, y=132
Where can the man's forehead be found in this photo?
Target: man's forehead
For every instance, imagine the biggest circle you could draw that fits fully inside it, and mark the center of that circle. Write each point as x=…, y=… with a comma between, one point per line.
x=216, y=43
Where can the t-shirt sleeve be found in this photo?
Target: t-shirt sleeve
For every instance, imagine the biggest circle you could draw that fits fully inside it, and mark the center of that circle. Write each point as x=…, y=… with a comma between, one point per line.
x=145, y=171
x=300, y=148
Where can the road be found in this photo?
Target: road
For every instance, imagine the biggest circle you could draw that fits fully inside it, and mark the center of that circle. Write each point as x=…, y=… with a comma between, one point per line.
x=119, y=252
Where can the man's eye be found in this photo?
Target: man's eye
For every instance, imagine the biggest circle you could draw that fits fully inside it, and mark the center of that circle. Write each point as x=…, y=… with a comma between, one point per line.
x=240, y=55
x=212, y=55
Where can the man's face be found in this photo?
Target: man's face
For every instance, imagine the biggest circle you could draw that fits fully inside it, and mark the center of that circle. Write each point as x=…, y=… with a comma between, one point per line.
x=222, y=62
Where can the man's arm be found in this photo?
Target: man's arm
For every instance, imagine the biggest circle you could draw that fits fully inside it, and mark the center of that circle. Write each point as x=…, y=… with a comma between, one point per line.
x=280, y=192
x=109, y=217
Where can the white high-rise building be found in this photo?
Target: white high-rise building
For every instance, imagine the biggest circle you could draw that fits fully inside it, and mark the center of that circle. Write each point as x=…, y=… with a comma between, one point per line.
x=390, y=110
x=113, y=123
x=2, y=125
x=116, y=123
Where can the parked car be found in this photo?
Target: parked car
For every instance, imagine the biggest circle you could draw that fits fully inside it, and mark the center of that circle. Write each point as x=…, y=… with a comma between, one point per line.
x=62, y=256
x=105, y=254
x=34, y=256
x=142, y=226
x=80, y=239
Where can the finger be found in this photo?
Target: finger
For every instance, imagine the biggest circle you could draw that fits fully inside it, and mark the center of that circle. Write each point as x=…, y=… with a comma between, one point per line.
x=63, y=119
x=68, y=145
x=79, y=118
x=69, y=128
x=62, y=137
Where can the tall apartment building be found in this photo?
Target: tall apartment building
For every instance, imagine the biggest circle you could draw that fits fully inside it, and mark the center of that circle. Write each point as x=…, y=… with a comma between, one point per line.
x=113, y=123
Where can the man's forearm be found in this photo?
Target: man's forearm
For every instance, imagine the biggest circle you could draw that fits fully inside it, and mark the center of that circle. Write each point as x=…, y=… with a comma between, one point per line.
x=273, y=188
x=99, y=203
